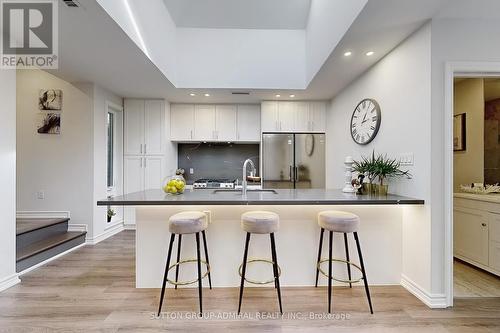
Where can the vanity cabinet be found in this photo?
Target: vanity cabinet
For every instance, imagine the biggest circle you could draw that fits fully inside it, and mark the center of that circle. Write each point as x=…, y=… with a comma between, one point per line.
x=476, y=231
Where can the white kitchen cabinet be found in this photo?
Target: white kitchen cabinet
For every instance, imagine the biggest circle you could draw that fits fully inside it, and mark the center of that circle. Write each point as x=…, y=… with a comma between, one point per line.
x=133, y=172
x=302, y=117
x=181, y=122
x=317, y=117
x=154, y=167
x=144, y=127
x=269, y=116
x=286, y=116
x=134, y=126
x=248, y=123
x=290, y=116
x=204, y=122
x=470, y=234
x=476, y=230
x=225, y=122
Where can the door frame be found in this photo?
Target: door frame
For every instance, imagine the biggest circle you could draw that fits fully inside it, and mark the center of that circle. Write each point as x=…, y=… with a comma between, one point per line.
x=452, y=70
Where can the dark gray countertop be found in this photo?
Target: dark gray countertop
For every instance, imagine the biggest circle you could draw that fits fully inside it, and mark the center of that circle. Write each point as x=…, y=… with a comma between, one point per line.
x=281, y=197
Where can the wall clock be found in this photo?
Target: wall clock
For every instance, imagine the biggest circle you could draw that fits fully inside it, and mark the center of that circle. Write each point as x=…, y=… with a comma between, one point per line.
x=309, y=144
x=365, y=121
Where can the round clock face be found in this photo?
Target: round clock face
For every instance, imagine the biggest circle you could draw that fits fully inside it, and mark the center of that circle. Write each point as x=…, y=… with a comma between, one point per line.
x=365, y=121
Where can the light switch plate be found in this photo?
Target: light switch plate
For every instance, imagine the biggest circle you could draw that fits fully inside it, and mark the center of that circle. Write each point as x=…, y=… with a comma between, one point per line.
x=40, y=195
x=406, y=158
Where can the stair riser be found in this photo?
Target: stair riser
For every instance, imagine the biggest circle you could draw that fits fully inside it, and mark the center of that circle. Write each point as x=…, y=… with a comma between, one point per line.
x=38, y=258
x=37, y=235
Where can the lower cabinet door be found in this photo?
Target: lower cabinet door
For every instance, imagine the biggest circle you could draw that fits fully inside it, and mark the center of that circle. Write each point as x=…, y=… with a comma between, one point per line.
x=153, y=172
x=470, y=234
x=133, y=171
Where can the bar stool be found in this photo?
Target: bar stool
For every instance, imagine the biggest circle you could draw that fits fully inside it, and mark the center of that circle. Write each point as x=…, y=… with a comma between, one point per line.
x=260, y=222
x=190, y=222
x=342, y=222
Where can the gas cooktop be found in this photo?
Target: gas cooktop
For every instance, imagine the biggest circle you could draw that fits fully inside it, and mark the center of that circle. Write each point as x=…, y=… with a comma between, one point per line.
x=214, y=183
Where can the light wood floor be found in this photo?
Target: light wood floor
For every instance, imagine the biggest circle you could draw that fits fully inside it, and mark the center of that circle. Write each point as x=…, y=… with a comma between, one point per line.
x=469, y=281
x=92, y=290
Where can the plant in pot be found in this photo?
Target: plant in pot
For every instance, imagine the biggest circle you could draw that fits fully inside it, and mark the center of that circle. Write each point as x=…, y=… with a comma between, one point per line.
x=111, y=213
x=384, y=168
x=366, y=169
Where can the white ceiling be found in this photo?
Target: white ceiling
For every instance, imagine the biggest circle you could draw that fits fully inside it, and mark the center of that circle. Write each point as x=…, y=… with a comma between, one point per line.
x=239, y=14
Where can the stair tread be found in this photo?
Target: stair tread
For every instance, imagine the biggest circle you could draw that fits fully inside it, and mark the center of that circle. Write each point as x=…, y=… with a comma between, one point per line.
x=26, y=225
x=47, y=244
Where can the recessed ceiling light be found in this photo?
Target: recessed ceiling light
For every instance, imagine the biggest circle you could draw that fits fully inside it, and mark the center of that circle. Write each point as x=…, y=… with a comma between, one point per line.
x=192, y=94
x=278, y=95
x=207, y=95
x=370, y=53
x=348, y=53
x=292, y=96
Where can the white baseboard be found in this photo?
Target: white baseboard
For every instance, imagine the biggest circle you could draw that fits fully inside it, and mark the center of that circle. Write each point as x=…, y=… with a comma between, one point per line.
x=9, y=281
x=129, y=226
x=111, y=231
x=29, y=269
x=433, y=301
x=43, y=214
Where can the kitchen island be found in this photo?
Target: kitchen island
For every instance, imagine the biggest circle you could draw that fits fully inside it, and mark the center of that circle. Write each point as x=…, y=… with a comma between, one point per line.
x=297, y=239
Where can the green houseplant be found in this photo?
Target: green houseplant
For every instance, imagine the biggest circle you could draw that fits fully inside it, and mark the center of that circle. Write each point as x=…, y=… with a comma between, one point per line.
x=111, y=213
x=381, y=167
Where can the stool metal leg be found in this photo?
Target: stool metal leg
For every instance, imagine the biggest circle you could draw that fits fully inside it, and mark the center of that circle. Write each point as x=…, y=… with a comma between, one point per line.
x=244, y=268
x=206, y=257
x=319, y=254
x=364, y=273
x=198, y=257
x=330, y=272
x=179, y=240
x=172, y=237
x=347, y=258
x=275, y=266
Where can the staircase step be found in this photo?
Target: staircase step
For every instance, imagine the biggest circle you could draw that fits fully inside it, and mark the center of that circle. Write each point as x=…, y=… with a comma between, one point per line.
x=30, y=231
x=47, y=248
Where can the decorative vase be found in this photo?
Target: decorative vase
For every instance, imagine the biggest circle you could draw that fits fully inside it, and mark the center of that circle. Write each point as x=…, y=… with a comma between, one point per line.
x=382, y=189
x=174, y=184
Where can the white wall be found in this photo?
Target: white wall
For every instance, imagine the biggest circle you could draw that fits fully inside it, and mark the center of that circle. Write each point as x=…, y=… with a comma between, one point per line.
x=60, y=165
x=8, y=276
x=400, y=82
x=468, y=165
x=452, y=40
x=328, y=22
x=240, y=58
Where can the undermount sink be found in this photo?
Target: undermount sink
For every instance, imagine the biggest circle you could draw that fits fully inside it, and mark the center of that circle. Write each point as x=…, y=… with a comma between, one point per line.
x=248, y=191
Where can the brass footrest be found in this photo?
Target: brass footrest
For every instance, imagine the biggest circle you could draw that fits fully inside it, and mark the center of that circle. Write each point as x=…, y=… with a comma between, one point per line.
x=185, y=261
x=259, y=260
x=345, y=262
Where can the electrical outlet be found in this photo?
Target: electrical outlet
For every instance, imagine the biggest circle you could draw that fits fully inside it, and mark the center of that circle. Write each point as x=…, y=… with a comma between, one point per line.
x=191, y=171
x=406, y=159
x=40, y=195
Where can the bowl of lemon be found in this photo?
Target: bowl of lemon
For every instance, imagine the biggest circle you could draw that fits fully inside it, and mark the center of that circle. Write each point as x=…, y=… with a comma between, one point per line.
x=174, y=184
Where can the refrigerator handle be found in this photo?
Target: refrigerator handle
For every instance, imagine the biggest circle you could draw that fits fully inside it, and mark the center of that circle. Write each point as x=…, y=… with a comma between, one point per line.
x=290, y=174
x=296, y=174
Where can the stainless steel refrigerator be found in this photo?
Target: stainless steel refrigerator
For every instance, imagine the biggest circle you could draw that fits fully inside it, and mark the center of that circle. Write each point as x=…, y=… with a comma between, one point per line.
x=293, y=160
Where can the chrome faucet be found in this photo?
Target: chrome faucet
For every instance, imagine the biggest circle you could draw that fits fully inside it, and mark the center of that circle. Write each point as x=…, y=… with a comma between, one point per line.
x=244, y=181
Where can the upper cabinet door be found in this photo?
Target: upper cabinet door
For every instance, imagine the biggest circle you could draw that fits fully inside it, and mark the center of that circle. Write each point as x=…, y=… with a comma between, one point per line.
x=134, y=127
x=317, y=112
x=302, y=119
x=182, y=122
x=154, y=127
x=225, y=121
x=248, y=123
x=204, y=122
x=269, y=116
x=286, y=116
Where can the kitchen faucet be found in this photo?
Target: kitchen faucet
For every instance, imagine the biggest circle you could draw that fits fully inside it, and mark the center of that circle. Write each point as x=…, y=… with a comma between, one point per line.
x=244, y=181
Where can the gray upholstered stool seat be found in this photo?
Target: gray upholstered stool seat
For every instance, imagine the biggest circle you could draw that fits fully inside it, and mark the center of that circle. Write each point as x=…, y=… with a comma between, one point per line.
x=189, y=222
x=260, y=222
x=338, y=221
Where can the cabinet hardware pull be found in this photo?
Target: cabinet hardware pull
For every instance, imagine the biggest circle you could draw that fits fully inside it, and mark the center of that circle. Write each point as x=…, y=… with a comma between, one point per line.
x=145, y=149
x=141, y=161
x=483, y=224
x=141, y=151
x=145, y=166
